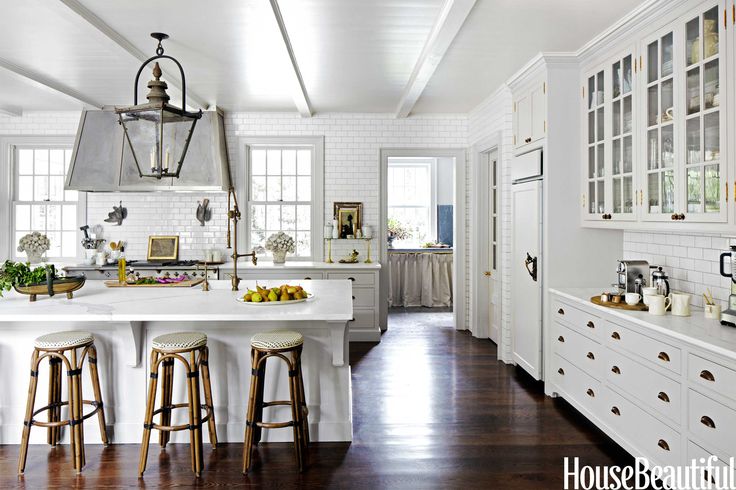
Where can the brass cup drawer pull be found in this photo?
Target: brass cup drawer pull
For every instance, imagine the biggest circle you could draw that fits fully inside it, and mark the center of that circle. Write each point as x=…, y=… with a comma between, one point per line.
x=664, y=397
x=664, y=357
x=707, y=375
x=561, y=371
x=591, y=356
x=590, y=324
x=561, y=311
x=615, y=370
x=616, y=336
x=616, y=411
x=590, y=393
x=707, y=421
x=561, y=339
x=663, y=444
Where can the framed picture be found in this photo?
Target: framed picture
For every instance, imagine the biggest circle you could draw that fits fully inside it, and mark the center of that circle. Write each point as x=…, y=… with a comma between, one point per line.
x=163, y=248
x=349, y=217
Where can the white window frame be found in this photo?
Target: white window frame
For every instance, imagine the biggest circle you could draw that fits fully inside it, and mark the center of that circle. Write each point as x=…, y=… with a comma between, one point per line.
x=432, y=164
x=8, y=179
x=316, y=143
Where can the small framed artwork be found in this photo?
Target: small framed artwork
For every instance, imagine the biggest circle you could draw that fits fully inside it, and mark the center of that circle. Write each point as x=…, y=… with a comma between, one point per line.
x=349, y=217
x=163, y=248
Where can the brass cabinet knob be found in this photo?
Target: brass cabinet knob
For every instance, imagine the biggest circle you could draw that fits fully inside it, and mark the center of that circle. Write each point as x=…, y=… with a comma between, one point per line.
x=615, y=336
x=560, y=338
x=561, y=371
x=663, y=444
x=590, y=356
x=561, y=311
x=664, y=397
x=487, y=273
x=590, y=393
x=590, y=324
x=707, y=375
x=616, y=411
x=707, y=421
x=664, y=357
x=615, y=370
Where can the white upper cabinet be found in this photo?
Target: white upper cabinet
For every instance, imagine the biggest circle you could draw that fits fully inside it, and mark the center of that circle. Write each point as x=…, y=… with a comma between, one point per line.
x=530, y=115
x=654, y=127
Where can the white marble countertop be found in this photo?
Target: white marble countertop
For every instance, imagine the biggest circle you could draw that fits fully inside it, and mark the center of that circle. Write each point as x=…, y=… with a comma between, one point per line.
x=694, y=329
x=95, y=302
x=266, y=265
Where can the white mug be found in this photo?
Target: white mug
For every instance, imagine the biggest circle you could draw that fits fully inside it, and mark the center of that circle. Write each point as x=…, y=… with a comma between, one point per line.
x=647, y=292
x=632, y=298
x=658, y=304
x=712, y=311
x=100, y=258
x=680, y=304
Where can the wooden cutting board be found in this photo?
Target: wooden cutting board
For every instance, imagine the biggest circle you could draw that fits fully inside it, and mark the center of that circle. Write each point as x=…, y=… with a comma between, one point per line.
x=183, y=284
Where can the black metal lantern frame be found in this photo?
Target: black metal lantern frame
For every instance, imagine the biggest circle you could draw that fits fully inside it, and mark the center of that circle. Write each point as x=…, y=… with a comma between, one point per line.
x=148, y=126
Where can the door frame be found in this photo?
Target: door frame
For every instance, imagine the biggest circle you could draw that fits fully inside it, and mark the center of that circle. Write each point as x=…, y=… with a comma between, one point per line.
x=478, y=249
x=458, y=253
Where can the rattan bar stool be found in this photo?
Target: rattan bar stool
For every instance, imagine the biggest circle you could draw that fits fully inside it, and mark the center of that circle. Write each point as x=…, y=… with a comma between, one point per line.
x=78, y=346
x=166, y=350
x=285, y=345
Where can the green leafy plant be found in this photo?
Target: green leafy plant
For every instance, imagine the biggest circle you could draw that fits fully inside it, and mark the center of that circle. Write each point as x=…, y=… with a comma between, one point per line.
x=397, y=230
x=21, y=274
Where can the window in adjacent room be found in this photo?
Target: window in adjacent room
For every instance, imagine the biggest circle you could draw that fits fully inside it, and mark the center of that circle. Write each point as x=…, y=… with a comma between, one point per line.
x=411, y=200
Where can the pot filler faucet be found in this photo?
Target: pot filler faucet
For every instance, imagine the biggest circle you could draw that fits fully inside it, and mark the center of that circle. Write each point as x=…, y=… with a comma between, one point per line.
x=233, y=216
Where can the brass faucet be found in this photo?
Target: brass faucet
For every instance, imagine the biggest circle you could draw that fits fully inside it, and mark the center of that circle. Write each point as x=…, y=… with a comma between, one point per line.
x=233, y=216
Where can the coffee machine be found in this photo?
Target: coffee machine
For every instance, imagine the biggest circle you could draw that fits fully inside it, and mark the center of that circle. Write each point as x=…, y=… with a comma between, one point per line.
x=728, y=317
x=632, y=275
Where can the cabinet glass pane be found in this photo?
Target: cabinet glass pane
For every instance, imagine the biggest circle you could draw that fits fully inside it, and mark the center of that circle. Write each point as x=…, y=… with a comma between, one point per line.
x=668, y=146
x=616, y=147
x=601, y=169
x=692, y=96
x=628, y=195
x=711, y=124
x=626, y=80
x=710, y=33
x=693, y=140
x=600, y=87
x=591, y=92
x=652, y=61
x=627, y=115
x=591, y=127
x=711, y=93
x=652, y=106
x=591, y=162
x=617, y=207
x=694, y=187
x=617, y=118
x=591, y=197
x=600, y=124
x=712, y=189
x=667, y=55
x=653, y=192
x=692, y=42
x=628, y=154
x=616, y=79
x=668, y=191
x=652, y=150
x=667, y=98
x=600, y=197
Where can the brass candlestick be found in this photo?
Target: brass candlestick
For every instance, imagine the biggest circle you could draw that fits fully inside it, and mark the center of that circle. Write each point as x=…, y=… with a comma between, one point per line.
x=329, y=252
x=368, y=246
x=206, y=284
x=233, y=216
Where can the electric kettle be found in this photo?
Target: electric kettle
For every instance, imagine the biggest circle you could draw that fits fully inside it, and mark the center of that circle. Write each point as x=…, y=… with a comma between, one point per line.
x=659, y=281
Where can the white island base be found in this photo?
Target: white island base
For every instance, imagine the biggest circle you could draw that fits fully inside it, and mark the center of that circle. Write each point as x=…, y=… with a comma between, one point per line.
x=124, y=321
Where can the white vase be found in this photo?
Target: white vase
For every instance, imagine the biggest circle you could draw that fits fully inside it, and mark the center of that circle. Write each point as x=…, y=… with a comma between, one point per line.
x=279, y=256
x=34, y=258
x=335, y=229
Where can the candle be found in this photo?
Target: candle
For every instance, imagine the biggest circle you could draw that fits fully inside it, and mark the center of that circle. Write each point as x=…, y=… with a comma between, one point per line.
x=166, y=160
x=153, y=159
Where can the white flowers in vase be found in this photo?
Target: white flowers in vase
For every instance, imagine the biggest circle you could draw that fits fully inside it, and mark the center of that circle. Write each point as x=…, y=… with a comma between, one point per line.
x=34, y=245
x=279, y=244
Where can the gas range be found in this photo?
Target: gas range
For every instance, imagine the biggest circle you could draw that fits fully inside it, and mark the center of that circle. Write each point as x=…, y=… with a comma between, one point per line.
x=142, y=268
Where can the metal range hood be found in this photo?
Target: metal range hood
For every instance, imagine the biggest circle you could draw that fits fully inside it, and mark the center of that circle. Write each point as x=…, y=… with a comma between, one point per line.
x=102, y=163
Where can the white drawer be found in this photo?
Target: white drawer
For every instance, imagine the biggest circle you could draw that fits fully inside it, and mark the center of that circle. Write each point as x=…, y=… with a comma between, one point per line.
x=285, y=275
x=645, y=347
x=654, y=439
x=711, y=375
x=580, y=320
x=712, y=422
x=701, y=457
x=645, y=384
x=362, y=319
x=579, y=350
x=576, y=385
x=364, y=298
x=359, y=279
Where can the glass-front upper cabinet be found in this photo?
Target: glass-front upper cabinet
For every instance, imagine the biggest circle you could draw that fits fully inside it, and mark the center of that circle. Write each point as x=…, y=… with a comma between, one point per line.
x=684, y=176
x=596, y=144
x=622, y=138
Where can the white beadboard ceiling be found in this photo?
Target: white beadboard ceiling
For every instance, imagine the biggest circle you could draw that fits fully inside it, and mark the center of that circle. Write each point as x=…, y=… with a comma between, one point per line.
x=353, y=55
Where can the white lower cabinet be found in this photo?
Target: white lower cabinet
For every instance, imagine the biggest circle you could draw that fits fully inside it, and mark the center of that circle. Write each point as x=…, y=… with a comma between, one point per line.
x=656, y=394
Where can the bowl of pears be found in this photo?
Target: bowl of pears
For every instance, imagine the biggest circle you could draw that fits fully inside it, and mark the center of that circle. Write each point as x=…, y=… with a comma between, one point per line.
x=281, y=295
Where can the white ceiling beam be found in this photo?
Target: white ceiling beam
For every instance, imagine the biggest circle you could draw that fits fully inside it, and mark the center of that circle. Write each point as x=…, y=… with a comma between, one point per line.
x=48, y=82
x=11, y=110
x=298, y=90
x=448, y=24
x=117, y=38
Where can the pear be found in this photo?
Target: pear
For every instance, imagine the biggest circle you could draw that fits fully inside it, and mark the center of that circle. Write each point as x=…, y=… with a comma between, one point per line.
x=285, y=297
x=291, y=290
x=248, y=297
x=256, y=297
x=272, y=296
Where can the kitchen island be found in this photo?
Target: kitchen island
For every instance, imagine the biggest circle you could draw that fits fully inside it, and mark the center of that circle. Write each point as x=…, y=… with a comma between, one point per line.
x=125, y=320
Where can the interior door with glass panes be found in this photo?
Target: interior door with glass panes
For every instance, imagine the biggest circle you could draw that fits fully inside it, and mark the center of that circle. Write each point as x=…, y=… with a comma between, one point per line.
x=622, y=194
x=594, y=194
x=659, y=186
x=705, y=169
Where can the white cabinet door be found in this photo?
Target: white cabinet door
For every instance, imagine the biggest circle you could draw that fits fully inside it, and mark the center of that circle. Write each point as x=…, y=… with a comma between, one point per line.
x=538, y=112
x=595, y=145
x=530, y=115
x=523, y=118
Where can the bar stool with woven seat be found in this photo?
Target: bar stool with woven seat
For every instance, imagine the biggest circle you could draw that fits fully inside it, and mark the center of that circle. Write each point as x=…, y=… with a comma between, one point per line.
x=78, y=346
x=166, y=349
x=280, y=344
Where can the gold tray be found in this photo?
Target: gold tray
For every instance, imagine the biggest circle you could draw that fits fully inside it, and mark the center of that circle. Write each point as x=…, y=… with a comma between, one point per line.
x=596, y=300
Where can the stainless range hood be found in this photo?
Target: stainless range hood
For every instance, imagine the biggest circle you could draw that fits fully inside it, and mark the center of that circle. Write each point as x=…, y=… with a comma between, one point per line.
x=102, y=163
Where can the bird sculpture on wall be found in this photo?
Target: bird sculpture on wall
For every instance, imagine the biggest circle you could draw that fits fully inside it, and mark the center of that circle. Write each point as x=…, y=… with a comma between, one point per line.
x=118, y=214
x=204, y=213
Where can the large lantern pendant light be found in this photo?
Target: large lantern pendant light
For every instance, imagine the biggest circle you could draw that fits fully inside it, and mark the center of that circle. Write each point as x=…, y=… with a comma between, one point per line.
x=157, y=133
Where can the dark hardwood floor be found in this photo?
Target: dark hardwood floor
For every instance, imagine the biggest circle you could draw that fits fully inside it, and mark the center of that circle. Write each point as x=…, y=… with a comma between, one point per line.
x=432, y=409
